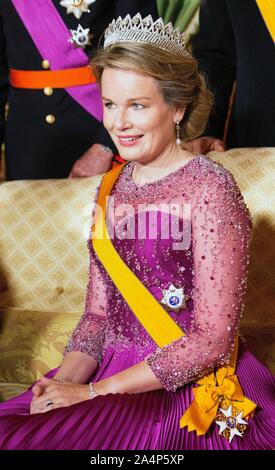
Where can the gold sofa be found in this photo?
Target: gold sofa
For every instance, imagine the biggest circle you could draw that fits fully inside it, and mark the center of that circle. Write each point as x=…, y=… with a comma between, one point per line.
x=44, y=226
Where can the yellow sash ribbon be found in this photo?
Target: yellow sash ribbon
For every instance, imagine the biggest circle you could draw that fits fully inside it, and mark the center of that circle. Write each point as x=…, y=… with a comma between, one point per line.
x=211, y=389
x=221, y=388
x=267, y=9
x=160, y=326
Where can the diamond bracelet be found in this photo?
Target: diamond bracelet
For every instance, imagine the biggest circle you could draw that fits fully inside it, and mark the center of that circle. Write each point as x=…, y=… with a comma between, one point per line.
x=59, y=379
x=92, y=393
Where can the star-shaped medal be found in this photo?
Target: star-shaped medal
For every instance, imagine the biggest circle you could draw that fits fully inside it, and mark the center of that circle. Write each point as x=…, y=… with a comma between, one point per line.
x=230, y=425
x=174, y=298
x=77, y=7
x=80, y=36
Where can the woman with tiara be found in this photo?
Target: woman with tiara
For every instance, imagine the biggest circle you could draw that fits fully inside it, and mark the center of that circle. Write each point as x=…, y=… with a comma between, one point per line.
x=155, y=361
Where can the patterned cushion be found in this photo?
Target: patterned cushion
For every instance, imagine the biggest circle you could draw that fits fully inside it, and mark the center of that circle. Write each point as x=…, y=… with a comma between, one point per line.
x=254, y=171
x=10, y=390
x=44, y=227
x=32, y=342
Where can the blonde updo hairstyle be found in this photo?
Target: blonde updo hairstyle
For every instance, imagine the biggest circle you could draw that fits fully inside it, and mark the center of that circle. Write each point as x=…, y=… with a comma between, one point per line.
x=181, y=85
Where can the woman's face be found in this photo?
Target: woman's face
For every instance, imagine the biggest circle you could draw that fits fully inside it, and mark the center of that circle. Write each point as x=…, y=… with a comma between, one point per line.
x=140, y=123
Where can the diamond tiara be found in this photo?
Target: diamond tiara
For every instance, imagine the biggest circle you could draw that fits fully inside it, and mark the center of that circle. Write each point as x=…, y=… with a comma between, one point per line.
x=145, y=30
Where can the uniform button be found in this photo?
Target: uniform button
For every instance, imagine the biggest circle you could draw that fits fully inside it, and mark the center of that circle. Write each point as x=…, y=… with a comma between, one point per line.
x=50, y=119
x=45, y=64
x=48, y=91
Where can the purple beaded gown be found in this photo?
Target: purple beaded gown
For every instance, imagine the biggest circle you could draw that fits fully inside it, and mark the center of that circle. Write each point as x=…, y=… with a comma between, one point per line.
x=206, y=254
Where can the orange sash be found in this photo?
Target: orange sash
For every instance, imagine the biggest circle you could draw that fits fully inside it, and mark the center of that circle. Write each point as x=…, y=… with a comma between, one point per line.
x=65, y=78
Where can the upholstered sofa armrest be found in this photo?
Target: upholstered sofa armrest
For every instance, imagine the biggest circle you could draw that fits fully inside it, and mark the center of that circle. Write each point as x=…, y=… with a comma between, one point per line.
x=31, y=343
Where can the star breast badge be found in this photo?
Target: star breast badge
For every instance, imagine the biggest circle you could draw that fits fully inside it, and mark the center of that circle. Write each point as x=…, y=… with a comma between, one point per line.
x=230, y=423
x=77, y=7
x=80, y=37
x=174, y=298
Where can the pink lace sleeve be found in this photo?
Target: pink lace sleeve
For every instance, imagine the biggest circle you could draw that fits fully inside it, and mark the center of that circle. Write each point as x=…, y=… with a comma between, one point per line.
x=89, y=335
x=220, y=241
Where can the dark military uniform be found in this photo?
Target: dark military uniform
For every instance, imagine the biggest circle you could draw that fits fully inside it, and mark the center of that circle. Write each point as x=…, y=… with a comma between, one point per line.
x=47, y=130
x=234, y=44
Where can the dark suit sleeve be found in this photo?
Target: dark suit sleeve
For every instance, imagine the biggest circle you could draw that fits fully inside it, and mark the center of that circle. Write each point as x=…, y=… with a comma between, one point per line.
x=4, y=82
x=214, y=48
x=144, y=7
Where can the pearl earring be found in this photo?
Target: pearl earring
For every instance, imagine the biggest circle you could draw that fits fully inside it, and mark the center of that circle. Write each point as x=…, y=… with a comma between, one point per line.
x=178, y=139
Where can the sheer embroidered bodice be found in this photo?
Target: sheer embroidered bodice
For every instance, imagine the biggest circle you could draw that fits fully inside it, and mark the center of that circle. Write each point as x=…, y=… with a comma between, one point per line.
x=189, y=230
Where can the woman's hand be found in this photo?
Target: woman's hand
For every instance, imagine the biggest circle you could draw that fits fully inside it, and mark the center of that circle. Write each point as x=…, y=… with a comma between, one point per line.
x=50, y=394
x=36, y=406
x=38, y=389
